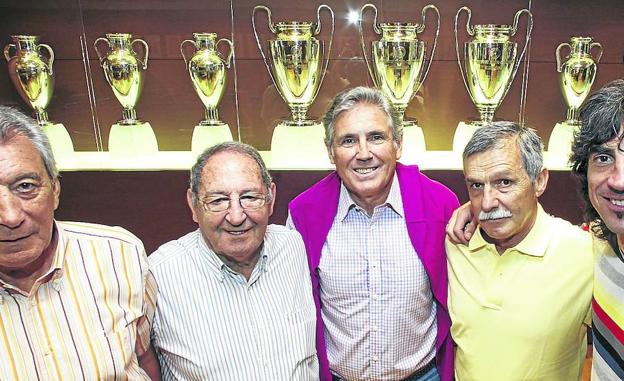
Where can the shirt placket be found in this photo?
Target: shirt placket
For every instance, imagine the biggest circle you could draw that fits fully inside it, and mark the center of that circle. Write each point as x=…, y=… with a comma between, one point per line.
x=375, y=311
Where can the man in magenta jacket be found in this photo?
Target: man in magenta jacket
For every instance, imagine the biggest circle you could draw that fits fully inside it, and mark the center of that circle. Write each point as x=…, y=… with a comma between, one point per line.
x=374, y=234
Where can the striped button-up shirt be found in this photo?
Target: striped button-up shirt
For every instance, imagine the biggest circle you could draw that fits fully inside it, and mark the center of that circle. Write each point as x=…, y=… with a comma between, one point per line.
x=377, y=303
x=86, y=318
x=212, y=323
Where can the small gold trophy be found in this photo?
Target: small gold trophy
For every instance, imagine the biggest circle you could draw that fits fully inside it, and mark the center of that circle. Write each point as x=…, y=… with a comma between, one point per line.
x=576, y=76
x=295, y=70
x=207, y=68
x=491, y=62
x=123, y=71
x=398, y=59
x=33, y=79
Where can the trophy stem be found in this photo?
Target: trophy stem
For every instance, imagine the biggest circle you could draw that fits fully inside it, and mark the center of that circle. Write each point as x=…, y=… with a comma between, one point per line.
x=299, y=115
x=212, y=117
x=487, y=114
x=572, y=116
x=129, y=114
x=42, y=117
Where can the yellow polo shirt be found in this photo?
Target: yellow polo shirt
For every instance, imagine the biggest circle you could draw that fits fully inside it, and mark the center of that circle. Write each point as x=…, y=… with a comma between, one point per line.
x=522, y=315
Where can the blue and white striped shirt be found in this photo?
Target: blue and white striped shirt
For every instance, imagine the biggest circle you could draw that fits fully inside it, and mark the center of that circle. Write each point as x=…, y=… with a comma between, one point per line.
x=213, y=324
x=377, y=304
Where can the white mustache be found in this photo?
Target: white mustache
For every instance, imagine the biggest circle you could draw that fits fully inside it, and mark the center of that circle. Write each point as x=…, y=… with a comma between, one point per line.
x=494, y=214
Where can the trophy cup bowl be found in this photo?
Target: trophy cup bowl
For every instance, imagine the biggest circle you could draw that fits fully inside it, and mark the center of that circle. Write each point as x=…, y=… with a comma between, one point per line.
x=296, y=62
x=491, y=63
x=398, y=58
x=33, y=79
x=207, y=69
x=123, y=71
x=295, y=70
x=577, y=72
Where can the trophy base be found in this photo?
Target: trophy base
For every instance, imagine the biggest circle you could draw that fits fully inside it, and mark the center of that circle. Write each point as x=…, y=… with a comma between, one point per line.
x=560, y=143
x=212, y=123
x=300, y=123
x=205, y=136
x=302, y=147
x=60, y=141
x=413, y=143
x=132, y=140
x=462, y=136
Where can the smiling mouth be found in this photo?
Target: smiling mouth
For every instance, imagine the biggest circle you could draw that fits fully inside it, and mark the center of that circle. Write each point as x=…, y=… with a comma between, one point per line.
x=616, y=202
x=237, y=232
x=365, y=171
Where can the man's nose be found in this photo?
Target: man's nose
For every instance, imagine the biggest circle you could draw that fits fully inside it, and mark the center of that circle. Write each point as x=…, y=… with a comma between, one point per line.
x=235, y=213
x=489, y=201
x=363, y=152
x=11, y=211
x=616, y=177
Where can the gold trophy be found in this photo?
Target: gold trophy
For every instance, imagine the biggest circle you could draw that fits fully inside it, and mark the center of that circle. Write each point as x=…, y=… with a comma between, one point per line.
x=491, y=62
x=123, y=71
x=207, y=70
x=397, y=65
x=576, y=76
x=34, y=80
x=297, y=75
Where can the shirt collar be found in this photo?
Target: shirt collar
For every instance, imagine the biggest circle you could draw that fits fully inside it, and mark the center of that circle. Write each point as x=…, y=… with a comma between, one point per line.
x=534, y=244
x=394, y=200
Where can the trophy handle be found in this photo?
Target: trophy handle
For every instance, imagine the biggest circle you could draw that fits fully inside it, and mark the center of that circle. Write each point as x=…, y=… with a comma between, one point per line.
x=51, y=59
x=558, y=55
x=435, y=40
x=228, y=59
x=264, y=56
x=182, y=50
x=514, y=29
x=144, y=61
x=596, y=45
x=470, y=31
x=377, y=30
x=7, y=51
x=327, y=54
x=97, y=41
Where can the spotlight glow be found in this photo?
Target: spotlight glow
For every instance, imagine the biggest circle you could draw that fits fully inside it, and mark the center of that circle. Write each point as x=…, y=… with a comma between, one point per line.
x=353, y=17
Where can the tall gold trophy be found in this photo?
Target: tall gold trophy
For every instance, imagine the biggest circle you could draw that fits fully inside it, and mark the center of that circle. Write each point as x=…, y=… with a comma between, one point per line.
x=33, y=79
x=207, y=68
x=491, y=62
x=295, y=70
x=577, y=72
x=123, y=71
x=398, y=59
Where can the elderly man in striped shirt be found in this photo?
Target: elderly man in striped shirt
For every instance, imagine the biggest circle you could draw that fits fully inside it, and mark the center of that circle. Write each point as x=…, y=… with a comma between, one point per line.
x=73, y=296
x=235, y=298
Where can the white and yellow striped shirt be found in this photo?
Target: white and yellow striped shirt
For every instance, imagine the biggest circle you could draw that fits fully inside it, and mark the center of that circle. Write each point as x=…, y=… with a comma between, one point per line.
x=88, y=317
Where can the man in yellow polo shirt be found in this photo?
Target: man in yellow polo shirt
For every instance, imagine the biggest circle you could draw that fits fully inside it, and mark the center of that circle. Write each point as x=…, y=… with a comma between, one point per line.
x=520, y=290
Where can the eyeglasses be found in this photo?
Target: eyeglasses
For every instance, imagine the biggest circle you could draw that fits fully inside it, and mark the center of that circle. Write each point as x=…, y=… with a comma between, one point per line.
x=247, y=201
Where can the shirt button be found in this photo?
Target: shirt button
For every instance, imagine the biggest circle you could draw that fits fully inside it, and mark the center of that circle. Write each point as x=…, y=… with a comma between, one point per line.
x=374, y=328
x=375, y=358
x=375, y=297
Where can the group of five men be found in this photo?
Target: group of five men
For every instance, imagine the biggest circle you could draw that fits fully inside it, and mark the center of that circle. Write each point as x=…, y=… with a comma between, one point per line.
x=360, y=285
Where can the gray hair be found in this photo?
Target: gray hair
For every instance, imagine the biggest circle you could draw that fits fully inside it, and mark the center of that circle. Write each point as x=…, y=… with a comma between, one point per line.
x=350, y=98
x=602, y=116
x=14, y=123
x=497, y=134
x=236, y=147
